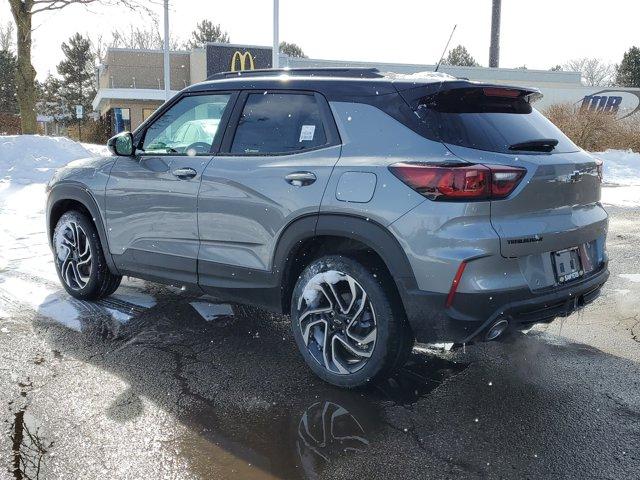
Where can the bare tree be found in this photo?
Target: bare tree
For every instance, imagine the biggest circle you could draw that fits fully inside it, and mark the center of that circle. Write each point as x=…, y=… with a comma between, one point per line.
x=594, y=72
x=23, y=12
x=98, y=48
x=142, y=38
x=7, y=37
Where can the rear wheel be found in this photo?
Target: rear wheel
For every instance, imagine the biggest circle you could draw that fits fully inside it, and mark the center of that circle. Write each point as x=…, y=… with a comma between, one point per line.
x=348, y=326
x=79, y=259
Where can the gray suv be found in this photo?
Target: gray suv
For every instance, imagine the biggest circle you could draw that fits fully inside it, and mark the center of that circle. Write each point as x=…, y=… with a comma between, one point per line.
x=375, y=210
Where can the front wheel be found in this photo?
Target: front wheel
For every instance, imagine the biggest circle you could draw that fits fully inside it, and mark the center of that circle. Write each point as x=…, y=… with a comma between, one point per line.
x=347, y=324
x=79, y=259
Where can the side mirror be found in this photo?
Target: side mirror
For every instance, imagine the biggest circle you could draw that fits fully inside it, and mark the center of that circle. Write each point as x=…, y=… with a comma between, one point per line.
x=121, y=144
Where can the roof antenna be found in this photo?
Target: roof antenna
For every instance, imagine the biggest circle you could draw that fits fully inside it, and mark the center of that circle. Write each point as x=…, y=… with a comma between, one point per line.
x=446, y=47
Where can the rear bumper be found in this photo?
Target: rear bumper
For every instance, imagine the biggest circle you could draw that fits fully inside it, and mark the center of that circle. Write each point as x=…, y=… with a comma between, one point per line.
x=471, y=314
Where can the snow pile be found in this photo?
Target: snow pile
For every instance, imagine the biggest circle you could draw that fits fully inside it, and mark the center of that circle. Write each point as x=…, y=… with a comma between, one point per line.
x=29, y=159
x=620, y=167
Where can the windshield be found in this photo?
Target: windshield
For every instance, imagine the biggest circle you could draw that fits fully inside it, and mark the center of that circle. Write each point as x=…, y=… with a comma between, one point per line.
x=482, y=119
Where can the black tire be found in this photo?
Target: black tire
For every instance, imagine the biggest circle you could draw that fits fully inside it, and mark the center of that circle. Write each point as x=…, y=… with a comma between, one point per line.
x=393, y=339
x=92, y=280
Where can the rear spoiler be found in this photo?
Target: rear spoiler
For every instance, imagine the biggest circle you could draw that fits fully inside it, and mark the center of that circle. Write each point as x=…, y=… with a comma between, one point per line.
x=411, y=91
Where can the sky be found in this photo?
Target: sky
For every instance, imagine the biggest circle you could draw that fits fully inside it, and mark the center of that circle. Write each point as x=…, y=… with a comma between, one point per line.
x=535, y=33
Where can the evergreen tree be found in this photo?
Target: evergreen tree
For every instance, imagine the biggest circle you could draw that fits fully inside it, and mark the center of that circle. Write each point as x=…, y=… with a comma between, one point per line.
x=206, y=32
x=628, y=74
x=50, y=99
x=461, y=57
x=8, y=92
x=292, y=49
x=77, y=72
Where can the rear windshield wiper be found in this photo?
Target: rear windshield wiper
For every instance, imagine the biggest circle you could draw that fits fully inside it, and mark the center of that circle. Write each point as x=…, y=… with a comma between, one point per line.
x=538, y=145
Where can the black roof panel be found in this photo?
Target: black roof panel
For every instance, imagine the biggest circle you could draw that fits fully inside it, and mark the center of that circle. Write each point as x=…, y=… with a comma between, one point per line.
x=334, y=83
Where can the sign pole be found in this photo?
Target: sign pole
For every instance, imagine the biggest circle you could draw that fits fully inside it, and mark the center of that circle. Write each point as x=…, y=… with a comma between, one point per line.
x=167, y=65
x=275, y=59
x=79, y=116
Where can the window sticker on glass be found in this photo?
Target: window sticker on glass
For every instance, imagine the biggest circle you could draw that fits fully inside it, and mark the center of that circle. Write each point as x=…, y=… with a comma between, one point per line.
x=307, y=132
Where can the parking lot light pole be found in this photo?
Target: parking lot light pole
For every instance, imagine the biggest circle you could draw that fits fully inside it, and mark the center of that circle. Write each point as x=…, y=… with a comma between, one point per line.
x=167, y=63
x=275, y=59
x=494, y=49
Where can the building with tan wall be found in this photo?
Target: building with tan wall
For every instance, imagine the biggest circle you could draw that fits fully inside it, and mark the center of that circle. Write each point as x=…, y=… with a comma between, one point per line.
x=131, y=84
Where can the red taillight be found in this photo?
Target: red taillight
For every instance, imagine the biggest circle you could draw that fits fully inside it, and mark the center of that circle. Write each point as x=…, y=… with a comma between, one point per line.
x=504, y=180
x=459, y=182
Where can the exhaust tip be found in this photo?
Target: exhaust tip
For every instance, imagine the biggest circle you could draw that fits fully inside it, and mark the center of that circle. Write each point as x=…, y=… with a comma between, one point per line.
x=496, y=329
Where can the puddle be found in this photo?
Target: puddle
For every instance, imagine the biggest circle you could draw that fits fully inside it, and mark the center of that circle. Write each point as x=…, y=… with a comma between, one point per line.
x=301, y=439
x=28, y=447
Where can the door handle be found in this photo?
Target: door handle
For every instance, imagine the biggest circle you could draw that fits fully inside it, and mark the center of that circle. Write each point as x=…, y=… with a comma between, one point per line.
x=300, y=179
x=185, y=173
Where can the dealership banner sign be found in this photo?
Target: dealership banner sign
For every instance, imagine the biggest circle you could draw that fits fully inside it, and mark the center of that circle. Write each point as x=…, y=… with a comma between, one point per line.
x=621, y=102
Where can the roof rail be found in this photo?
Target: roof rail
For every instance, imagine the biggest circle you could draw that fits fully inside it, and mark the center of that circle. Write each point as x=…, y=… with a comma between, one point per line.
x=345, y=72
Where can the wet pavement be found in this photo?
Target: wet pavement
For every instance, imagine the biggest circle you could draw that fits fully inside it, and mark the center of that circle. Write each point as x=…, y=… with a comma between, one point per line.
x=156, y=383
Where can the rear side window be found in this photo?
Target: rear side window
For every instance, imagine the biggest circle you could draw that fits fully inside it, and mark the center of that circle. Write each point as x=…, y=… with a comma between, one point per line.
x=279, y=123
x=486, y=119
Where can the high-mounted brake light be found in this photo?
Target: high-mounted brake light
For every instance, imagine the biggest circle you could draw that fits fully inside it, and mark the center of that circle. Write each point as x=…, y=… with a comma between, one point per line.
x=460, y=181
x=501, y=92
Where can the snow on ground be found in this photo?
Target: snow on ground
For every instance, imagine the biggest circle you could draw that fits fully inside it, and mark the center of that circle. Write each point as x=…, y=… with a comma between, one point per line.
x=633, y=277
x=621, y=177
x=212, y=311
x=627, y=196
x=621, y=167
x=27, y=274
x=26, y=159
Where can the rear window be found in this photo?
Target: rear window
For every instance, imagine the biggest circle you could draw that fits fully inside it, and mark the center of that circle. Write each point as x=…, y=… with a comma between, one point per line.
x=495, y=120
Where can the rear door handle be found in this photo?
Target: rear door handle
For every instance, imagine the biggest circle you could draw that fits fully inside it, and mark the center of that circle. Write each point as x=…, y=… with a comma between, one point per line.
x=300, y=179
x=185, y=173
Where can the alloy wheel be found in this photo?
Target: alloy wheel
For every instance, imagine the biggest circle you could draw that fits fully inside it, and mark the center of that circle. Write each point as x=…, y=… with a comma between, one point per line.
x=337, y=322
x=74, y=255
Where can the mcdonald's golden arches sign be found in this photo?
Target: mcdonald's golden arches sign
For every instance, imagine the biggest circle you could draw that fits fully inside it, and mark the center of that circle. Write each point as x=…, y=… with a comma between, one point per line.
x=242, y=61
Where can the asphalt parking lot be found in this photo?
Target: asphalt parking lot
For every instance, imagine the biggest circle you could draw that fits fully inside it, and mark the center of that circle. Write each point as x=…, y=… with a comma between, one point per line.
x=157, y=390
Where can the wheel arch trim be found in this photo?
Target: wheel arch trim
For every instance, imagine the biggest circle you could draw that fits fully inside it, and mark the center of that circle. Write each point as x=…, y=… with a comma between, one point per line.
x=77, y=192
x=354, y=227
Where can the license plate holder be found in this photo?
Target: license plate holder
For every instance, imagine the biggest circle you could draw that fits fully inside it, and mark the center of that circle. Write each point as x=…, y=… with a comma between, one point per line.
x=567, y=265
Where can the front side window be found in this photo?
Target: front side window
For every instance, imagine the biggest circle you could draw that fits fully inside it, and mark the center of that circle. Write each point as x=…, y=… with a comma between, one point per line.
x=188, y=128
x=279, y=123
